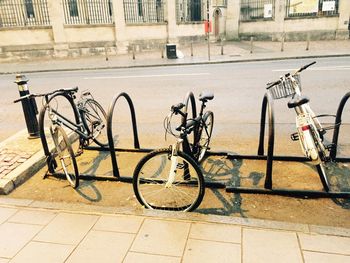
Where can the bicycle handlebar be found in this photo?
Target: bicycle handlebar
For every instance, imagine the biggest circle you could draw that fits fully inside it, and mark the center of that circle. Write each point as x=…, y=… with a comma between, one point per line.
x=29, y=96
x=176, y=108
x=271, y=84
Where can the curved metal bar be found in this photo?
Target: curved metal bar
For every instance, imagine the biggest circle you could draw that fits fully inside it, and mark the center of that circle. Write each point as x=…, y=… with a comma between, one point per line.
x=42, y=128
x=333, y=153
x=190, y=97
x=271, y=142
x=109, y=129
x=267, y=103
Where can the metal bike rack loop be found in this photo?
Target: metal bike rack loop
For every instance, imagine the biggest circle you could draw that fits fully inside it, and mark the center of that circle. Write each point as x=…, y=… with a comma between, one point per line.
x=42, y=128
x=268, y=189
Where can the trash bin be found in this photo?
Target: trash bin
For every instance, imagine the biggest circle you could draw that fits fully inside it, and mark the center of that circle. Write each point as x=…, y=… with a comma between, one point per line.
x=171, y=51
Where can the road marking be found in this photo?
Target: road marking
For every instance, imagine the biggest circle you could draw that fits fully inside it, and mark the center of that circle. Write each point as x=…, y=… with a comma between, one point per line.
x=317, y=68
x=148, y=76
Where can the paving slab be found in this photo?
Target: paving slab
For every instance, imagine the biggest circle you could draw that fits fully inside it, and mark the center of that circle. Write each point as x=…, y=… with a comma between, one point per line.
x=39, y=252
x=315, y=257
x=15, y=236
x=261, y=245
x=133, y=257
x=211, y=251
x=325, y=243
x=67, y=229
x=101, y=246
x=161, y=237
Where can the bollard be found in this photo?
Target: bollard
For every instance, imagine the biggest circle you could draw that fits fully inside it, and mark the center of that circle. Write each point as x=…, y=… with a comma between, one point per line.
x=222, y=47
x=251, y=45
x=133, y=52
x=308, y=42
x=106, y=53
x=30, y=109
x=191, y=48
x=282, y=43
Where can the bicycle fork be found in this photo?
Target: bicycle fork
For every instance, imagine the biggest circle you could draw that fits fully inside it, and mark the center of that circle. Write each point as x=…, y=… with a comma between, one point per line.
x=174, y=163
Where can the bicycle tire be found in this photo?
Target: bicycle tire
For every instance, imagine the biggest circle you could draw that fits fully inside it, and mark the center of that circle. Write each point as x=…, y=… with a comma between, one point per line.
x=150, y=177
x=205, y=135
x=93, y=114
x=66, y=155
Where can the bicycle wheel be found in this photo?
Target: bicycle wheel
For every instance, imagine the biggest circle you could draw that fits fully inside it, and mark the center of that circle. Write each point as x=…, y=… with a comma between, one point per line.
x=151, y=176
x=65, y=154
x=94, y=118
x=204, y=135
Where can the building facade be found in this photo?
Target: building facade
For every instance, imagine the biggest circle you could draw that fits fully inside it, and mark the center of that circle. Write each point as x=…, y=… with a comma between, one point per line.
x=32, y=28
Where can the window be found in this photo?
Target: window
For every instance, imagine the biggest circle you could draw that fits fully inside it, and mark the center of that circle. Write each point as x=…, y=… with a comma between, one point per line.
x=88, y=11
x=191, y=10
x=310, y=8
x=73, y=8
x=29, y=8
x=257, y=9
x=143, y=11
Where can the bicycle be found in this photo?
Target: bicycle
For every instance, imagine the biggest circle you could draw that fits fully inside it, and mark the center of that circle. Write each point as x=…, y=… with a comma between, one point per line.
x=90, y=124
x=171, y=179
x=310, y=132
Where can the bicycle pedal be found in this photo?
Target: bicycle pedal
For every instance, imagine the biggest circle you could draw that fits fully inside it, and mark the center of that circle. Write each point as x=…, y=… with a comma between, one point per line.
x=294, y=136
x=329, y=147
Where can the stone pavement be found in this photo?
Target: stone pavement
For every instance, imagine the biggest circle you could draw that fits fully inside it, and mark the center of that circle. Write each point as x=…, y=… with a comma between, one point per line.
x=233, y=51
x=34, y=231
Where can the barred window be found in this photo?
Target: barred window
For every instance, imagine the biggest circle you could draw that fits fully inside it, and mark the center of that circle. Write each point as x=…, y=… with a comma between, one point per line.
x=144, y=11
x=257, y=9
x=190, y=10
x=23, y=13
x=88, y=11
x=305, y=8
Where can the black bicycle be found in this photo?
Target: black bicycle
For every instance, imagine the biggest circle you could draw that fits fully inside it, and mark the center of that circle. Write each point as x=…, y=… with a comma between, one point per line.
x=171, y=179
x=90, y=126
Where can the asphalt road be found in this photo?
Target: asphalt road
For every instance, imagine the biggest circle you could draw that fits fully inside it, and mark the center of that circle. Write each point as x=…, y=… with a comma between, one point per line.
x=238, y=88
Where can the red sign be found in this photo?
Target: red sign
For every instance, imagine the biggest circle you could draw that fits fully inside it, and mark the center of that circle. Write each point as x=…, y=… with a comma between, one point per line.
x=207, y=26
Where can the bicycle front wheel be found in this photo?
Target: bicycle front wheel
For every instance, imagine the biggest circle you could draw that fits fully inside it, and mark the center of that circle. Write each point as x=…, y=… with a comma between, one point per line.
x=154, y=189
x=94, y=118
x=64, y=152
x=205, y=135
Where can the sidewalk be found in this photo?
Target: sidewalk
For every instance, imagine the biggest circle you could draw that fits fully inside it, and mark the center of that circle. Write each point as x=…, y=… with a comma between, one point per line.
x=232, y=52
x=34, y=231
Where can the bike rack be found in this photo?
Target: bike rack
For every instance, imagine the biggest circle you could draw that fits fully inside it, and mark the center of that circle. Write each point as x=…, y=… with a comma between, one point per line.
x=268, y=186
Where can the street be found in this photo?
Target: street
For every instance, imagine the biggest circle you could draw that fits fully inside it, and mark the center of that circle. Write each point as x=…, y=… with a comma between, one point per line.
x=238, y=88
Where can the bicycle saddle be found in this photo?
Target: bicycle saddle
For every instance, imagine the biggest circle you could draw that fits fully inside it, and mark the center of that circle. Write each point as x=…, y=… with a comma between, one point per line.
x=297, y=101
x=205, y=96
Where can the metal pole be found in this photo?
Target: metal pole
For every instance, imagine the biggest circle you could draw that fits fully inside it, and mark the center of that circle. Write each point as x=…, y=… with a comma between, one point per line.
x=191, y=48
x=251, y=45
x=308, y=41
x=29, y=107
x=222, y=47
x=208, y=30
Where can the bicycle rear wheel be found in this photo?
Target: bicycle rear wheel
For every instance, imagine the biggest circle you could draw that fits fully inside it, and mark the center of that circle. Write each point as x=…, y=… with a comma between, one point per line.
x=94, y=118
x=63, y=150
x=205, y=135
x=151, y=175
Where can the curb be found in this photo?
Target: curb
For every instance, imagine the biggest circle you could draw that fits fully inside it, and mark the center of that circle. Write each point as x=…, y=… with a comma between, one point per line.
x=24, y=171
x=176, y=64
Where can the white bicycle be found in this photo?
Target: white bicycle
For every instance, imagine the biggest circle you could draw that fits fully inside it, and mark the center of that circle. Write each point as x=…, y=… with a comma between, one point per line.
x=309, y=130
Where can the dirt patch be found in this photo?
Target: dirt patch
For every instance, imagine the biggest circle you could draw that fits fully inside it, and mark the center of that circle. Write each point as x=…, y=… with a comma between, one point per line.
x=330, y=212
